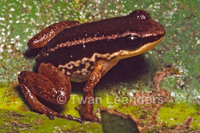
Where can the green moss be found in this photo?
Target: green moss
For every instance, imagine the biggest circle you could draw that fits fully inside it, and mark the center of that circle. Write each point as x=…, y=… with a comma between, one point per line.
x=9, y=99
x=32, y=122
x=175, y=114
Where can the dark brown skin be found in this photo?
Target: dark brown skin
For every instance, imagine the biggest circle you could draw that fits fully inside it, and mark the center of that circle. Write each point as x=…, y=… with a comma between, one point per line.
x=48, y=84
x=41, y=39
x=84, y=52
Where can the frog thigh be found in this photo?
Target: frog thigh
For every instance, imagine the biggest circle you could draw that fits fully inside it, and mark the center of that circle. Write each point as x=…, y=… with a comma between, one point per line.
x=100, y=69
x=42, y=38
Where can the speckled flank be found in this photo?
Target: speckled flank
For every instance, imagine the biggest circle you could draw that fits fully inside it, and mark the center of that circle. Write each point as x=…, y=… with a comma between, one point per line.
x=79, y=70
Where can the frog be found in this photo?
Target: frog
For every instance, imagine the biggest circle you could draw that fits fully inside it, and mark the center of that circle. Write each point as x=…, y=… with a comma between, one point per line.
x=84, y=52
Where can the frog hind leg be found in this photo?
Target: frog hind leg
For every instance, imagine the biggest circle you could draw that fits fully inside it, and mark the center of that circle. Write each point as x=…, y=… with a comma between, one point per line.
x=100, y=69
x=42, y=38
x=57, y=92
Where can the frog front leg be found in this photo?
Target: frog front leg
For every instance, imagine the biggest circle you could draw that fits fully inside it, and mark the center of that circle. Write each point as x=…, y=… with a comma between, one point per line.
x=49, y=84
x=100, y=69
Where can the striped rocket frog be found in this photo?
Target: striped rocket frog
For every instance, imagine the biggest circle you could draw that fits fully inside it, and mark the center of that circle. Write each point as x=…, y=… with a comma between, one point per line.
x=76, y=52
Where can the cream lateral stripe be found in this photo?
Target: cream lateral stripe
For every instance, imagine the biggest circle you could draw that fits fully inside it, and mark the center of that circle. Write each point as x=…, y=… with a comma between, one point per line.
x=91, y=39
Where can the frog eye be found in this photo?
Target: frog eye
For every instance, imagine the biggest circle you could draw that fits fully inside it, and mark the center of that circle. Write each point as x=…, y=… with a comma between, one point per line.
x=140, y=14
x=132, y=36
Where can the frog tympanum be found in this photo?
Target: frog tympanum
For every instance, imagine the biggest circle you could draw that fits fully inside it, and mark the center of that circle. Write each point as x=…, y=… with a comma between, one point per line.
x=76, y=52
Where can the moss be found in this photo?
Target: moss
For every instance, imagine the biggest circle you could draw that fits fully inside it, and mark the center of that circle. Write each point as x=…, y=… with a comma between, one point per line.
x=32, y=122
x=175, y=114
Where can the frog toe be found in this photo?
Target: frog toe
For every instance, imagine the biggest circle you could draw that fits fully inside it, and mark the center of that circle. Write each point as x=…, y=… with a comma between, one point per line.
x=91, y=117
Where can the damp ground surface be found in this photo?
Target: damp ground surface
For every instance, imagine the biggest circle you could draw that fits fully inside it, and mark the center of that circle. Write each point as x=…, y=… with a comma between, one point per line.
x=178, y=52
